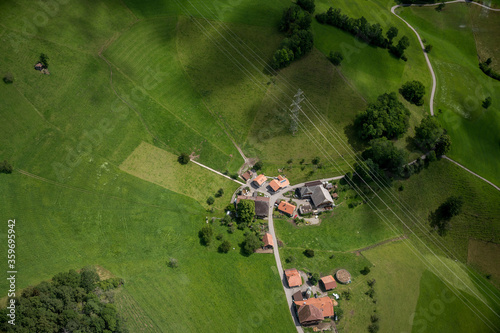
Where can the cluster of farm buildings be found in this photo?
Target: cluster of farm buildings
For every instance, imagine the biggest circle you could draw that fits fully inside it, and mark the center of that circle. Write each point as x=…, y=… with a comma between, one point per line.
x=313, y=310
x=315, y=195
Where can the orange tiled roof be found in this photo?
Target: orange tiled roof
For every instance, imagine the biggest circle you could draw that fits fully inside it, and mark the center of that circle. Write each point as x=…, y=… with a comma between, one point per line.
x=329, y=282
x=283, y=181
x=260, y=179
x=286, y=207
x=274, y=185
x=323, y=303
x=293, y=277
x=268, y=240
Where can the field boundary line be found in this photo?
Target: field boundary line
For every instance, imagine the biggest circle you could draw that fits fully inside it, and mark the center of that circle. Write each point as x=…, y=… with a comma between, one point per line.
x=471, y=172
x=387, y=241
x=217, y=172
x=38, y=111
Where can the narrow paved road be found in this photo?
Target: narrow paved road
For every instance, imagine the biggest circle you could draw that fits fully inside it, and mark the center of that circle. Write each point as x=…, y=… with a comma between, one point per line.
x=433, y=90
x=475, y=174
x=288, y=291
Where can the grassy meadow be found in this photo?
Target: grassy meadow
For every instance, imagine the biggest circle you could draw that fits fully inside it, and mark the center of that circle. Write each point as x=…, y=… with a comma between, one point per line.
x=161, y=167
x=462, y=86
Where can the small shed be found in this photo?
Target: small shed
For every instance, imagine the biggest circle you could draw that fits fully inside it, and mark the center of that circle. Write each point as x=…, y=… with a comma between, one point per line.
x=328, y=282
x=247, y=175
x=268, y=241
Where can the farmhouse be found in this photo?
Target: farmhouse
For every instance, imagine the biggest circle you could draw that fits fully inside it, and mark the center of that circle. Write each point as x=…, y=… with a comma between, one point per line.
x=305, y=192
x=259, y=180
x=314, y=310
x=328, y=282
x=268, y=241
x=247, y=175
x=321, y=197
x=286, y=208
x=277, y=184
x=293, y=277
x=261, y=204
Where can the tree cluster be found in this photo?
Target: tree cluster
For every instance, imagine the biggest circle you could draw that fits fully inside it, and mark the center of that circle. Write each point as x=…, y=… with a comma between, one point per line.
x=399, y=49
x=367, y=170
x=413, y=92
x=295, y=22
x=440, y=218
x=314, y=278
x=428, y=133
x=5, y=167
x=365, y=31
x=370, y=33
x=71, y=302
x=485, y=67
x=258, y=166
x=307, y=5
x=386, y=117
x=336, y=58
x=245, y=211
x=385, y=155
x=251, y=243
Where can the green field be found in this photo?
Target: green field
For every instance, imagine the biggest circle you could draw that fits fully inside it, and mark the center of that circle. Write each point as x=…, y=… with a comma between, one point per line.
x=411, y=298
x=133, y=84
x=397, y=269
x=461, y=84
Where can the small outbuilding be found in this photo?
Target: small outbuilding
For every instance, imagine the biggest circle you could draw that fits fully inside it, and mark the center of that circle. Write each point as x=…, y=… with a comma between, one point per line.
x=328, y=282
x=293, y=277
x=268, y=241
x=247, y=175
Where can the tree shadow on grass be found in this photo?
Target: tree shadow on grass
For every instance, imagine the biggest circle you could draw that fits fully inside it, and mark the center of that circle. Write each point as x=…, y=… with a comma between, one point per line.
x=353, y=139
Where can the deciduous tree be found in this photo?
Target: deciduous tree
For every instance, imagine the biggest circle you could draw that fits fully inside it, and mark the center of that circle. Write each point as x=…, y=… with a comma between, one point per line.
x=413, y=92
x=246, y=211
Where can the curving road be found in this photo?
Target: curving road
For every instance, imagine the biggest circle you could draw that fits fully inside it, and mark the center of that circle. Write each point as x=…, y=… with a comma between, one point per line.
x=288, y=291
x=433, y=91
